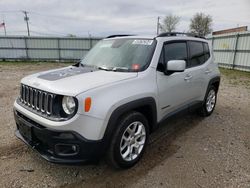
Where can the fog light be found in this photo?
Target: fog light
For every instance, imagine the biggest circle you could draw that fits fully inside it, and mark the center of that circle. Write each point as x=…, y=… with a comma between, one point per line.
x=66, y=149
x=74, y=148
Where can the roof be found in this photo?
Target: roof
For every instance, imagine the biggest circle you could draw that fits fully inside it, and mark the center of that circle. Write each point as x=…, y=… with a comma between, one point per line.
x=168, y=34
x=132, y=36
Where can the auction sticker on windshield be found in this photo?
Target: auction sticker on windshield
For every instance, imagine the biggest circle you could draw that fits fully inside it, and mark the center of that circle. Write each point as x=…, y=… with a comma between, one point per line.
x=143, y=42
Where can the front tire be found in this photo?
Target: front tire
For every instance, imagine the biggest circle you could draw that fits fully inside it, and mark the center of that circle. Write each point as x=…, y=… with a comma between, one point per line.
x=209, y=102
x=129, y=141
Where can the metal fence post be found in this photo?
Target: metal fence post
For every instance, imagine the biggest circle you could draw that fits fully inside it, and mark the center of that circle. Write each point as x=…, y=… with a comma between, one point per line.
x=90, y=42
x=59, y=49
x=26, y=48
x=213, y=42
x=235, y=49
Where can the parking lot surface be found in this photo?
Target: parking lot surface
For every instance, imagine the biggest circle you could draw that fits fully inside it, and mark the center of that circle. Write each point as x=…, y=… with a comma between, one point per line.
x=186, y=151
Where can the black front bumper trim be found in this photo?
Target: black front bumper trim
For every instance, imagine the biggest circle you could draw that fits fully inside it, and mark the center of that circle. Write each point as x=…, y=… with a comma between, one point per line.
x=44, y=140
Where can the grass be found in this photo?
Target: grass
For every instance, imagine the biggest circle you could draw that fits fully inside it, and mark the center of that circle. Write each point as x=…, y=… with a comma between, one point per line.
x=234, y=73
x=236, y=77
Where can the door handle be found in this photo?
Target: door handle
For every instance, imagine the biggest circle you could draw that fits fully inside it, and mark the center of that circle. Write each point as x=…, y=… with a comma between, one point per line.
x=188, y=77
x=208, y=71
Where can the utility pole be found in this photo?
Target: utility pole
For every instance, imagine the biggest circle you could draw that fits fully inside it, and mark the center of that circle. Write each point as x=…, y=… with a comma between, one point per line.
x=4, y=27
x=158, y=25
x=26, y=18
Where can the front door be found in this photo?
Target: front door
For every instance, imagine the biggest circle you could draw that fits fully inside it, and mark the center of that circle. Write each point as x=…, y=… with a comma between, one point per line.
x=173, y=88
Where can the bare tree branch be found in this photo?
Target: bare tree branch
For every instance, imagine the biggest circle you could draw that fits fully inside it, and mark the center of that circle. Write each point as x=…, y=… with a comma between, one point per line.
x=170, y=23
x=201, y=24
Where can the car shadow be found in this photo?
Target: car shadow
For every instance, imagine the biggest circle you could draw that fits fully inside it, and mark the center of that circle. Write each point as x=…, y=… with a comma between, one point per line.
x=161, y=146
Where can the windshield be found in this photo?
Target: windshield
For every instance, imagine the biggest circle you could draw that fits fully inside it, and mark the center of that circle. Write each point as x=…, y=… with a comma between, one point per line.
x=121, y=54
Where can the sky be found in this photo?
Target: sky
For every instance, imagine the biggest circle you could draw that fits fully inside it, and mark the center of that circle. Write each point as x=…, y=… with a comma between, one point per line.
x=106, y=17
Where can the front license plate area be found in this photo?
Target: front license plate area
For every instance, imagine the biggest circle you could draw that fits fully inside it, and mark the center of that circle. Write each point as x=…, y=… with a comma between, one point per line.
x=25, y=131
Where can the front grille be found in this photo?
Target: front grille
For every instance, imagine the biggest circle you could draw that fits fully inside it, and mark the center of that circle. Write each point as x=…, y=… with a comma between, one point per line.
x=38, y=100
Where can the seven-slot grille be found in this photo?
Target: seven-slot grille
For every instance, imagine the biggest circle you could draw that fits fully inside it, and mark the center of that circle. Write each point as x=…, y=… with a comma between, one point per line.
x=38, y=100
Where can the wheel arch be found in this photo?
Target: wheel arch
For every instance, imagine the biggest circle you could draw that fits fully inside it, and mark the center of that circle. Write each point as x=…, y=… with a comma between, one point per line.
x=214, y=82
x=146, y=106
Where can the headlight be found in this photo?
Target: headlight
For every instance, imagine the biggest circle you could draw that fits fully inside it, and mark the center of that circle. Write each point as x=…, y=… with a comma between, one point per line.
x=68, y=105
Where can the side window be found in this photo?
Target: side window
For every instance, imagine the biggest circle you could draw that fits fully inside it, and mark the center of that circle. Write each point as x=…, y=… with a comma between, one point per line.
x=175, y=51
x=206, y=51
x=172, y=51
x=197, y=56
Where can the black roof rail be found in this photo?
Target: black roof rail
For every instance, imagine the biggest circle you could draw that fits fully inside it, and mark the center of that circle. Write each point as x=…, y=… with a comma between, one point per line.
x=170, y=34
x=113, y=36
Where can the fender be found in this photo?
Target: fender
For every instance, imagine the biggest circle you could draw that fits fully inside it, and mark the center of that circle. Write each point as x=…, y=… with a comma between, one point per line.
x=125, y=108
x=215, y=79
x=211, y=82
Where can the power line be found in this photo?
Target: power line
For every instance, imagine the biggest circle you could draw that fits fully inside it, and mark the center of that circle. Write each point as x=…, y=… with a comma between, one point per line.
x=49, y=20
x=83, y=20
x=19, y=31
x=43, y=33
x=233, y=21
x=45, y=28
x=63, y=18
x=9, y=11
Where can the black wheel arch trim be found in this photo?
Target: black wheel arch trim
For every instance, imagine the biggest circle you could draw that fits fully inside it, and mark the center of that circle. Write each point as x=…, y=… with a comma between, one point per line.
x=211, y=82
x=214, y=80
x=125, y=108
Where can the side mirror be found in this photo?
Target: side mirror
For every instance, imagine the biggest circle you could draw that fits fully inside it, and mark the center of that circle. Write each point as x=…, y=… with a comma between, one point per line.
x=175, y=66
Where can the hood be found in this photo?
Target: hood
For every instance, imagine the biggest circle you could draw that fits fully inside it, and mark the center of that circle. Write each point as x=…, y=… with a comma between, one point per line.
x=74, y=80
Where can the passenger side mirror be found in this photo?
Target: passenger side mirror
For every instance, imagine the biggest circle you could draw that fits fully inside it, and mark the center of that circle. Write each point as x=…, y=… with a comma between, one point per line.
x=175, y=66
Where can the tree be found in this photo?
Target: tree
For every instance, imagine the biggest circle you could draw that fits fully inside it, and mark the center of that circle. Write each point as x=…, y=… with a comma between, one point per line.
x=201, y=24
x=170, y=23
x=70, y=35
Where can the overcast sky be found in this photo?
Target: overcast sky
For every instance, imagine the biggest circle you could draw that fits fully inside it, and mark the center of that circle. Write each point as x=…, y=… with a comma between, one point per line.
x=101, y=18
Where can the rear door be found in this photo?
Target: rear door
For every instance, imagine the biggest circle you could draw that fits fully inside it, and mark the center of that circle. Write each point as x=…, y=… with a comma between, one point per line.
x=196, y=68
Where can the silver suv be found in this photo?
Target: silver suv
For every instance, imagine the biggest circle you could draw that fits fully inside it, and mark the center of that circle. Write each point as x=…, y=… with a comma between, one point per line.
x=109, y=103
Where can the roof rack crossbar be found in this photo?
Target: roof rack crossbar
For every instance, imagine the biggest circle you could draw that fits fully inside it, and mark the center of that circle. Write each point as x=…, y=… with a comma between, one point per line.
x=170, y=34
x=113, y=36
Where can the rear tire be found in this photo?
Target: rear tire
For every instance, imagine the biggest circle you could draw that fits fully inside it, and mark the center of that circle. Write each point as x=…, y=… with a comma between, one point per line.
x=209, y=102
x=129, y=141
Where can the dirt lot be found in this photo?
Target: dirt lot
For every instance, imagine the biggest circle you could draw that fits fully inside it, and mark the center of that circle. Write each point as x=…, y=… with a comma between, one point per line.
x=187, y=151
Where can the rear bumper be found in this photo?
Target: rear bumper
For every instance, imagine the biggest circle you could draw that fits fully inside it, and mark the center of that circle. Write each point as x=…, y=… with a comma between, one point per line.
x=57, y=146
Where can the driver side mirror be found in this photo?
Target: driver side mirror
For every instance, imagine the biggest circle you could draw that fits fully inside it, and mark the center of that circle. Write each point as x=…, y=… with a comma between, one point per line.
x=175, y=66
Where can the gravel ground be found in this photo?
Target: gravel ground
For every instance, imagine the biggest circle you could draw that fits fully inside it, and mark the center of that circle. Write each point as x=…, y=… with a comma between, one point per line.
x=186, y=151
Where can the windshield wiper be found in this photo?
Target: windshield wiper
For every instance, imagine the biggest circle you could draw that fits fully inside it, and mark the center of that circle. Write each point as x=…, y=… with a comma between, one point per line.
x=86, y=65
x=77, y=64
x=121, y=69
x=105, y=68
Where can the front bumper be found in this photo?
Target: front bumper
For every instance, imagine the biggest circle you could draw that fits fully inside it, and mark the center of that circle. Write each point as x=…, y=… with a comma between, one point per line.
x=57, y=146
x=89, y=127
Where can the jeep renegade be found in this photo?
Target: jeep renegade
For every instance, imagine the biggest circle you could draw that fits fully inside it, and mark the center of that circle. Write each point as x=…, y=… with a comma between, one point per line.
x=109, y=103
